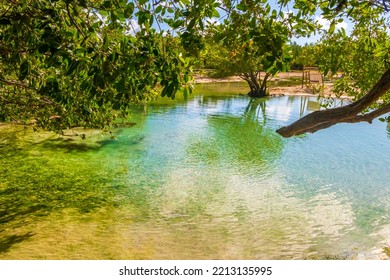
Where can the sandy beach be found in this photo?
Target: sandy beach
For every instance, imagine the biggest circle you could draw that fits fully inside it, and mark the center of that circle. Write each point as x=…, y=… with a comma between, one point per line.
x=285, y=90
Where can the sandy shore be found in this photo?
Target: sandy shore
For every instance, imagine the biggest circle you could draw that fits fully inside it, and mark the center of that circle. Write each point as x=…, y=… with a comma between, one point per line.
x=287, y=90
x=299, y=90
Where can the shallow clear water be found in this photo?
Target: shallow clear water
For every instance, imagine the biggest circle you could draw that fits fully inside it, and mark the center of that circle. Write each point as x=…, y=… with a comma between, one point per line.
x=206, y=178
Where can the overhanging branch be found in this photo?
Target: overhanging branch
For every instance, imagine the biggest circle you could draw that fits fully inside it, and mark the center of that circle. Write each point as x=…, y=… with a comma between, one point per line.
x=346, y=114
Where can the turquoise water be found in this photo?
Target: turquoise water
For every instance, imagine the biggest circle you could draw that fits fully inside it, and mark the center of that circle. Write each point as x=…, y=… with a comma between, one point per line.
x=206, y=178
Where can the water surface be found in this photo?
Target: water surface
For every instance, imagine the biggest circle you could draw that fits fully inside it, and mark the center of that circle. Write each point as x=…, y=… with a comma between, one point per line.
x=206, y=178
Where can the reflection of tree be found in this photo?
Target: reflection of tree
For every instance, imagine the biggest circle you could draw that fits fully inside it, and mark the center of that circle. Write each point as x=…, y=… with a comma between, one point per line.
x=240, y=142
x=256, y=108
x=306, y=104
x=303, y=106
x=388, y=129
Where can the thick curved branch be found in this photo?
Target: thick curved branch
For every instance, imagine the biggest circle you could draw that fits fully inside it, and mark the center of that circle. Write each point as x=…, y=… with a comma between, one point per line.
x=346, y=114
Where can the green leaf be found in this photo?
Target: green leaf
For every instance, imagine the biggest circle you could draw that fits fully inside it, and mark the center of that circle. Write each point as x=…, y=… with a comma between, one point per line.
x=72, y=67
x=332, y=27
x=241, y=7
x=143, y=17
x=164, y=91
x=106, y=4
x=158, y=9
x=191, y=24
x=185, y=13
x=215, y=13
x=120, y=86
x=201, y=24
x=177, y=23
x=169, y=90
x=181, y=58
x=23, y=71
x=128, y=13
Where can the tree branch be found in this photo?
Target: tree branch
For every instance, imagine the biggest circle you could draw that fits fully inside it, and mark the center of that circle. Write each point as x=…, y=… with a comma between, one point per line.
x=9, y=8
x=373, y=115
x=18, y=84
x=73, y=22
x=346, y=114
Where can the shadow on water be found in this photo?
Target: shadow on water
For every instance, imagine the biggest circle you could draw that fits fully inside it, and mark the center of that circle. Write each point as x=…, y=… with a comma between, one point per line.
x=19, y=212
x=69, y=146
x=43, y=175
x=73, y=144
x=6, y=243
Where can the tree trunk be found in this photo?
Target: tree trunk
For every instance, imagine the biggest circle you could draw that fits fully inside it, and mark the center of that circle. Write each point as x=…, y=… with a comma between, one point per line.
x=257, y=93
x=351, y=113
x=257, y=90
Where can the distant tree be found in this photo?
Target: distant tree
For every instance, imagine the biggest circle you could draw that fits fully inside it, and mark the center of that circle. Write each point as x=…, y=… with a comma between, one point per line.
x=307, y=55
x=252, y=42
x=296, y=51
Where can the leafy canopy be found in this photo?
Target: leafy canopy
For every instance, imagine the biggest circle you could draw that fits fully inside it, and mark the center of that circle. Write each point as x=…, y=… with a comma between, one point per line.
x=67, y=63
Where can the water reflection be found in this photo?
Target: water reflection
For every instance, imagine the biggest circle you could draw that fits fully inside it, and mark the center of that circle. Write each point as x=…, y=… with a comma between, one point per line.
x=256, y=109
x=388, y=128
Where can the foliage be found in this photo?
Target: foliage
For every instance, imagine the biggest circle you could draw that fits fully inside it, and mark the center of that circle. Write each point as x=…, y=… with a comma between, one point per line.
x=68, y=63
x=307, y=55
x=361, y=57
